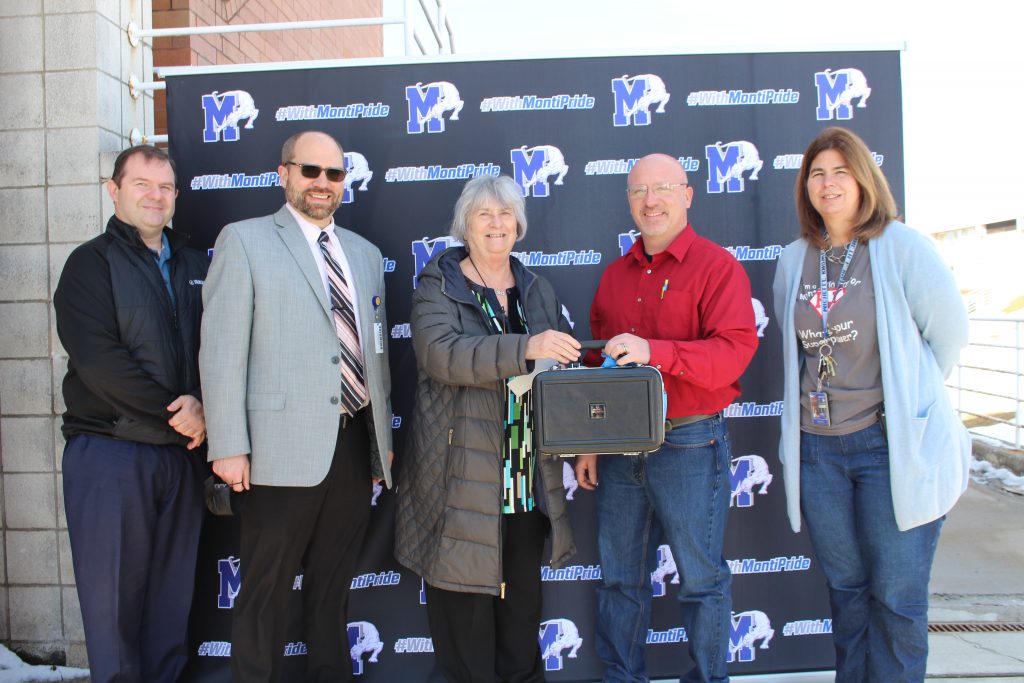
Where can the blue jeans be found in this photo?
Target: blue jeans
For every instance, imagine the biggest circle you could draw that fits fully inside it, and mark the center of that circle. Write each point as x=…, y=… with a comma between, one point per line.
x=877, y=575
x=680, y=493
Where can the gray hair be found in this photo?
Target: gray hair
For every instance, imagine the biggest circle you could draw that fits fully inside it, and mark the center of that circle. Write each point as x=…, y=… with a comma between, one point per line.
x=480, y=189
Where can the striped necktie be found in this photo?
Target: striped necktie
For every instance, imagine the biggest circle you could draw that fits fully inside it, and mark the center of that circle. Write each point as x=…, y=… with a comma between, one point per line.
x=353, y=381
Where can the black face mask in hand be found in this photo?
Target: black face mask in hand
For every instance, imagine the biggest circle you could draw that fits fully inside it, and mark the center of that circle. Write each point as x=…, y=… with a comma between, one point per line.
x=220, y=499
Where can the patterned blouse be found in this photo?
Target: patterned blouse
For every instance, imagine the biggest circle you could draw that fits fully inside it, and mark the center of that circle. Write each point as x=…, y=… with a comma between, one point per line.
x=518, y=462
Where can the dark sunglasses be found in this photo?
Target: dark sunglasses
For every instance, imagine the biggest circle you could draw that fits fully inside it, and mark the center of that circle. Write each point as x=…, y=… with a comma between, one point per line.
x=312, y=171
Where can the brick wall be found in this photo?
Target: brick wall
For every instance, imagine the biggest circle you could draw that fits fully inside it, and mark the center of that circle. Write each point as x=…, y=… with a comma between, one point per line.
x=249, y=48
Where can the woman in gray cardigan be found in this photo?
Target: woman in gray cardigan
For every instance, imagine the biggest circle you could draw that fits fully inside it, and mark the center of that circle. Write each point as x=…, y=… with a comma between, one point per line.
x=873, y=453
x=475, y=502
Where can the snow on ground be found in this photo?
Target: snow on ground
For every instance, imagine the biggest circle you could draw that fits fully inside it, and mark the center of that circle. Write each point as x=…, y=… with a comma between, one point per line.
x=13, y=670
x=985, y=472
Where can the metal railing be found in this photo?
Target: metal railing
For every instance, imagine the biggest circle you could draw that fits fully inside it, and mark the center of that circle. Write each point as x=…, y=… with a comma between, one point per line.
x=439, y=25
x=988, y=385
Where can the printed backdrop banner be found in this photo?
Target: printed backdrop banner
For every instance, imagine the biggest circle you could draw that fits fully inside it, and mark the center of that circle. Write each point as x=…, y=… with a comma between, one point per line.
x=567, y=130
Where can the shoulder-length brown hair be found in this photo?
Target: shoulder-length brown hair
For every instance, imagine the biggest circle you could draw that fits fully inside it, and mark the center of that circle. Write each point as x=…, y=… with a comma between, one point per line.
x=877, y=206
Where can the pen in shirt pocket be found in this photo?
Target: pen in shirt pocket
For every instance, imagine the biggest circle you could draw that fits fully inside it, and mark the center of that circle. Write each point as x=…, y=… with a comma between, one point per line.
x=664, y=288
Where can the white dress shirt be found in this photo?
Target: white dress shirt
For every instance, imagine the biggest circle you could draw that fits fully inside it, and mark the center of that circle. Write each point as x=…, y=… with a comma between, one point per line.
x=312, y=235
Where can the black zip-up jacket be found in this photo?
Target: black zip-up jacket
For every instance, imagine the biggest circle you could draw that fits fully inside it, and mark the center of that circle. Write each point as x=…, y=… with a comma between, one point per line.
x=130, y=354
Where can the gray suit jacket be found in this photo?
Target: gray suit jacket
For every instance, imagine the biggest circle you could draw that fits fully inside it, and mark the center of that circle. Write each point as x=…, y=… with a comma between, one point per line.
x=269, y=354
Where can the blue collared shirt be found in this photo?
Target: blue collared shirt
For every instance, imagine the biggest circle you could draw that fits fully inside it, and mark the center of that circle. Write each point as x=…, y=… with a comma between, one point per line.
x=163, y=262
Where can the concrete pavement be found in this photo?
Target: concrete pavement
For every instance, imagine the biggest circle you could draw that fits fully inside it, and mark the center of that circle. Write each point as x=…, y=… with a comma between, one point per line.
x=979, y=577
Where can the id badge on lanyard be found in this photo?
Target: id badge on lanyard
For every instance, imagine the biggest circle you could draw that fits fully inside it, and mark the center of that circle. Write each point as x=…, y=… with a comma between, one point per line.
x=826, y=363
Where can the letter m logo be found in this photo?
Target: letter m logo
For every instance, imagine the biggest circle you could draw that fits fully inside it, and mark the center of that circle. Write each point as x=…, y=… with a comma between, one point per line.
x=721, y=162
x=741, y=647
x=548, y=636
x=230, y=573
x=526, y=165
x=354, y=631
x=626, y=241
x=628, y=95
x=216, y=110
x=739, y=470
x=830, y=86
x=423, y=109
x=423, y=251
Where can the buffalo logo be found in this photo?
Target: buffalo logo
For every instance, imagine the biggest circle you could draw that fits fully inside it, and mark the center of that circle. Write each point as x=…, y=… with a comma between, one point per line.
x=727, y=163
x=626, y=240
x=760, y=316
x=358, y=172
x=746, y=629
x=569, y=482
x=634, y=97
x=222, y=112
x=556, y=636
x=428, y=104
x=362, y=638
x=532, y=166
x=837, y=90
x=745, y=473
x=425, y=249
x=666, y=568
x=229, y=569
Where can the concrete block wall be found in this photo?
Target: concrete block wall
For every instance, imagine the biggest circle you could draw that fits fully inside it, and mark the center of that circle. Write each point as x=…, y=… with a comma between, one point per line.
x=64, y=115
x=250, y=48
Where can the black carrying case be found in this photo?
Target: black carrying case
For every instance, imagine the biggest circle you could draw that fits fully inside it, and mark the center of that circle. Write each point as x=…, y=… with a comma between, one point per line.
x=598, y=410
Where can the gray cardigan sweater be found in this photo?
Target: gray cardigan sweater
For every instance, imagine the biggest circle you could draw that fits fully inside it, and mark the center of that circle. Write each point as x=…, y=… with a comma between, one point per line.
x=922, y=326
x=448, y=527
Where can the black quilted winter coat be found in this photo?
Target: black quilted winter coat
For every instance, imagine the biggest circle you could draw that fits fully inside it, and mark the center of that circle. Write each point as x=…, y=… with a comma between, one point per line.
x=449, y=489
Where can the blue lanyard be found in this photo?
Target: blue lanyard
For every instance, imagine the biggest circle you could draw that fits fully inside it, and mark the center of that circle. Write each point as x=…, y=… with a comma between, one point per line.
x=823, y=286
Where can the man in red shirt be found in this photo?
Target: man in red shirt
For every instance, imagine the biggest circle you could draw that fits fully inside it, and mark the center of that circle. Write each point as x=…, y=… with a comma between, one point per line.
x=682, y=304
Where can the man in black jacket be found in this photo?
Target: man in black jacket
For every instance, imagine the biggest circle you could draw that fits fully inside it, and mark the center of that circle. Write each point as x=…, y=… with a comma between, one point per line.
x=128, y=307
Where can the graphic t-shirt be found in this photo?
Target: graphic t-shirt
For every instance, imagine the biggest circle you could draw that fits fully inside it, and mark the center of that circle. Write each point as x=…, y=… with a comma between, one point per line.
x=855, y=392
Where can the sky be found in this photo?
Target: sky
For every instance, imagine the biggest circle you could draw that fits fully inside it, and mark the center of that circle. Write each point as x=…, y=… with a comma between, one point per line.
x=963, y=72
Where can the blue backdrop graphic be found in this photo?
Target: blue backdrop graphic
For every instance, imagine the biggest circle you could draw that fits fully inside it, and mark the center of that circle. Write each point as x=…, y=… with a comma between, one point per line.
x=567, y=130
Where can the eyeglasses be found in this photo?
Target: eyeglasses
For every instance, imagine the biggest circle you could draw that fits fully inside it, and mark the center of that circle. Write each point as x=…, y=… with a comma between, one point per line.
x=312, y=171
x=660, y=189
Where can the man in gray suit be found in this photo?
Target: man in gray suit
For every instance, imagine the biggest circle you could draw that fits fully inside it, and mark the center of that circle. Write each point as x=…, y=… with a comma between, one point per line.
x=297, y=394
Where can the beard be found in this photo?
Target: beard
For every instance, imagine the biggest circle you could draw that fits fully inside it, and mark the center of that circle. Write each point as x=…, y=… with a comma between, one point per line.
x=297, y=198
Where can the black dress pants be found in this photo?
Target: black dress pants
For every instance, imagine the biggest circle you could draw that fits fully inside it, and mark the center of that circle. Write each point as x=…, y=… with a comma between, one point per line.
x=484, y=638
x=318, y=530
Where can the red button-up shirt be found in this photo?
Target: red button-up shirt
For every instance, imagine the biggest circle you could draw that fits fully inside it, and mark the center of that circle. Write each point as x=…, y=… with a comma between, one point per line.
x=692, y=304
